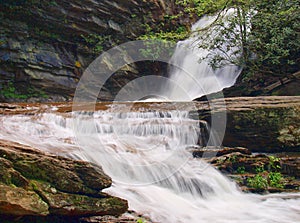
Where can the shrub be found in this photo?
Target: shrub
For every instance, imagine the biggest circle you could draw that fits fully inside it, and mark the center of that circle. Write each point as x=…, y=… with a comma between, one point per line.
x=258, y=182
x=275, y=180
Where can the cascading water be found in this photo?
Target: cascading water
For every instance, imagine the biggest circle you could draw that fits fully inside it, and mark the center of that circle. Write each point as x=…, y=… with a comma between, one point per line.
x=145, y=153
x=197, y=78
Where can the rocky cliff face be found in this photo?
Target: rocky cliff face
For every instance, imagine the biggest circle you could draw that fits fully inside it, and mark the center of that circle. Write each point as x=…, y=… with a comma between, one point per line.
x=46, y=45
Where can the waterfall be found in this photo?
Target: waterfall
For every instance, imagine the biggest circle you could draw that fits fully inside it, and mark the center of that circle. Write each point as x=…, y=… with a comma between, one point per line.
x=194, y=76
x=145, y=153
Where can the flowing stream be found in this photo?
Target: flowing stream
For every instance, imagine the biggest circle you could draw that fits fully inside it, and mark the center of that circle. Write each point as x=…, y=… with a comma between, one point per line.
x=145, y=153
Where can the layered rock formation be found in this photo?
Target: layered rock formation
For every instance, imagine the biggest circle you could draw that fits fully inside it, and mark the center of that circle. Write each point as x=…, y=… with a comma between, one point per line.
x=262, y=124
x=46, y=45
x=36, y=184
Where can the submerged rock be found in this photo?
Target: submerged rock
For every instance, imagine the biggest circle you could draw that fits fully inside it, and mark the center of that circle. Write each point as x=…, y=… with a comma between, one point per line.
x=35, y=183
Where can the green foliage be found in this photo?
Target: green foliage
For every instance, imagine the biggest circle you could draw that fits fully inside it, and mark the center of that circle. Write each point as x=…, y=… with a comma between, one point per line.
x=46, y=34
x=233, y=159
x=274, y=163
x=241, y=170
x=275, y=179
x=140, y=220
x=53, y=3
x=259, y=169
x=155, y=49
x=179, y=33
x=9, y=91
x=201, y=7
x=96, y=42
x=258, y=182
x=275, y=35
x=227, y=35
x=262, y=36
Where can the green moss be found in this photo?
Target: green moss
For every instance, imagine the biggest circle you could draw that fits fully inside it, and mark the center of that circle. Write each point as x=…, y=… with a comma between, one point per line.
x=33, y=185
x=46, y=34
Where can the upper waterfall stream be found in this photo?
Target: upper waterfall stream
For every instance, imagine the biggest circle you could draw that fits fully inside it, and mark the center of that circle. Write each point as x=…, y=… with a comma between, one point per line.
x=194, y=77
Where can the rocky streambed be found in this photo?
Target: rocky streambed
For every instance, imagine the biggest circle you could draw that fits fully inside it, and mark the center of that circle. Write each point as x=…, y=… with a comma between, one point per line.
x=36, y=186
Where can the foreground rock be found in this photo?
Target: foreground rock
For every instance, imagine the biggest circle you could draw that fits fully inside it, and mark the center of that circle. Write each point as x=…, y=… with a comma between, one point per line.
x=36, y=184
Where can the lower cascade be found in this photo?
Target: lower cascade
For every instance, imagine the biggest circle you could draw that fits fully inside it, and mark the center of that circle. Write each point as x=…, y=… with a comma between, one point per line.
x=145, y=153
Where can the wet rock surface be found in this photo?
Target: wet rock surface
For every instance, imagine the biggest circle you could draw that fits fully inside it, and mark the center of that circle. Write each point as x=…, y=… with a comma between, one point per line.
x=211, y=152
x=38, y=184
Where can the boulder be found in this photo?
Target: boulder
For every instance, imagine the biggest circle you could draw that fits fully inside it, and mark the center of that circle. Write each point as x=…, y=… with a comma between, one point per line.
x=37, y=184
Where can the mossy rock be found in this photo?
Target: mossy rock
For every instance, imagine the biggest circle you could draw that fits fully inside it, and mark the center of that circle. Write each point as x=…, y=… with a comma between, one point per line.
x=33, y=183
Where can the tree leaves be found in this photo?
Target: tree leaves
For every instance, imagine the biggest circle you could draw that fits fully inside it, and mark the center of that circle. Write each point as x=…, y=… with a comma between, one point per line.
x=265, y=32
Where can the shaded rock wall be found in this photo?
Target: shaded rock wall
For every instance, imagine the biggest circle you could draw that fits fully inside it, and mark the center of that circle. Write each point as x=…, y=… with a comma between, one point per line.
x=46, y=45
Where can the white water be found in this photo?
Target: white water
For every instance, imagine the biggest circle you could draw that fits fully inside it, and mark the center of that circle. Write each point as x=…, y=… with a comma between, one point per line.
x=144, y=153
x=193, y=78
